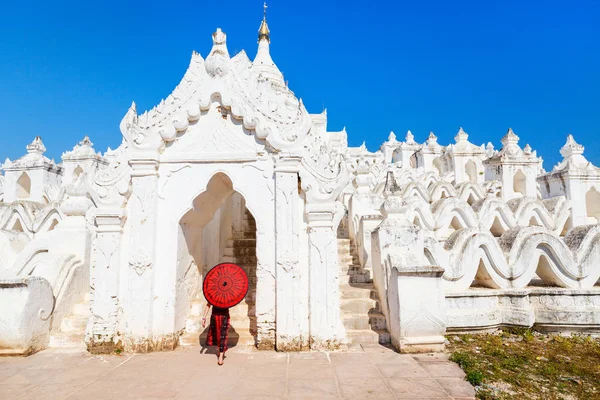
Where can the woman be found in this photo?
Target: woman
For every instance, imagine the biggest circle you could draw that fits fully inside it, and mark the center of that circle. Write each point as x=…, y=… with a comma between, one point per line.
x=217, y=330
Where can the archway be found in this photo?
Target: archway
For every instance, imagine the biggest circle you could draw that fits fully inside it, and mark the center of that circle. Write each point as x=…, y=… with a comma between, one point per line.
x=592, y=205
x=438, y=164
x=219, y=228
x=77, y=172
x=519, y=183
x=471, y=171
x=23, y=186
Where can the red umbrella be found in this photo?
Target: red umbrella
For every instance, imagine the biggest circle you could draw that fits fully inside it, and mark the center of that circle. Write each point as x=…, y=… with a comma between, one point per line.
x=225, y=285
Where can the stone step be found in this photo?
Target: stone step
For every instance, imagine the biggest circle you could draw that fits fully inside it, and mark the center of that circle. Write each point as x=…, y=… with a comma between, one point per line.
x=358, y=306
x=368, y=336
x=239, y=340
x=82, y=309
x=64, y=340
x=74, y=323
x=240, y=251
x=194, y=323
x=241, y=243
x=244, y=235
x=344, y=260
x=364, y=278
x=372, y=320
x=249, y=225
x=245, y=260
x=366, y=292
x=352, y=270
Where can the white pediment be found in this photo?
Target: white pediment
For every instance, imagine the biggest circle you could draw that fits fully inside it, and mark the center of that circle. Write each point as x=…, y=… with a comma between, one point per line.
x=215, y=137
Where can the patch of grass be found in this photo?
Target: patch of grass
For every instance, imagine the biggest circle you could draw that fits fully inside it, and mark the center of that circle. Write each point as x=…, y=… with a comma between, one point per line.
x=521, y=363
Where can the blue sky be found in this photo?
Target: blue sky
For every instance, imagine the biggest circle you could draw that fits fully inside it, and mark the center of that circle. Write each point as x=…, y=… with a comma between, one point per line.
x=70, y=68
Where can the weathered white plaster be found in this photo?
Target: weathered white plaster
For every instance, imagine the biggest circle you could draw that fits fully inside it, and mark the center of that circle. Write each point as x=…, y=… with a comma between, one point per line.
x=232, y=167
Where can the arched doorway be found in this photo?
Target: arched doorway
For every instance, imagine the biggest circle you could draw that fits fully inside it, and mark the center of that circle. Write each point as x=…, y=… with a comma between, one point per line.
x=519, y=183
x=23, y=186
x=471, y=171
x=592, y=205
x=218, y=228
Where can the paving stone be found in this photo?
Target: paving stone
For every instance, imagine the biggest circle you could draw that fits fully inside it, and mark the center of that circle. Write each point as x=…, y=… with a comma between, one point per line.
x=192, y=373
x=346, y=358
x=349, y=371
x=443, y=370
x=416, y=388
x=263, y=387
x=431, y=357
x=402, y=370
x=312, y=389
x=309, y=358
x=313, y=372
x=368, y=388
x=251, y=371
x=53, y=391
x=391, y=358
x=457, y=387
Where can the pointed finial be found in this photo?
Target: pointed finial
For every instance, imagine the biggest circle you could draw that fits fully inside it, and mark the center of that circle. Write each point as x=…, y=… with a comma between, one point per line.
x=571, y=147
x=431, y=138
x=461, y=135
x=36, y=146
x=527, y=149
x=86, y=141
x=263, y=31
x=510, y=137
x=392, y=137
x=410, y=138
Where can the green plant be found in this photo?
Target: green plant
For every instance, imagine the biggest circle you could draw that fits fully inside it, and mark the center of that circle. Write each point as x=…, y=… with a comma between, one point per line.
x=475, y=378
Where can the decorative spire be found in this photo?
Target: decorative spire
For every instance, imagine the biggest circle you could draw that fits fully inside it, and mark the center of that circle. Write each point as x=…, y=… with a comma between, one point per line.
x=36, y=146
x=217, y=62
x=489, y=149
x=571, y=147
x=461, y=135
x=392, y=137
x=509, y=138
x=86, y=142
x=263, y=31
x=410, y=138
x=527, y=149
x=431, y=139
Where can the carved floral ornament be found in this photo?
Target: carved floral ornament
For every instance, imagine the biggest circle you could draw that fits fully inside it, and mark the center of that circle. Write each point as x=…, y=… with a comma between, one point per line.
x=110, y=184
x=140, y=262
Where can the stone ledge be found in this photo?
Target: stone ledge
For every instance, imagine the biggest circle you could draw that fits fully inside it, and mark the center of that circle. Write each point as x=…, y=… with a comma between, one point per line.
x=426, y=271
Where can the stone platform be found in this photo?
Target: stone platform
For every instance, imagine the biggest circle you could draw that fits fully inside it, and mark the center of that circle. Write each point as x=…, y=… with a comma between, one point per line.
x=369, y=372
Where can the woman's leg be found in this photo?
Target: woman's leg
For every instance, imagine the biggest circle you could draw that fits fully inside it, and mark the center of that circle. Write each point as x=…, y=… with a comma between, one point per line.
x=223, y=338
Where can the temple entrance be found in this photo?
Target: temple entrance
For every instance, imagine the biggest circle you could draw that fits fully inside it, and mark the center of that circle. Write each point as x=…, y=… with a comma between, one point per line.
x=219, y=228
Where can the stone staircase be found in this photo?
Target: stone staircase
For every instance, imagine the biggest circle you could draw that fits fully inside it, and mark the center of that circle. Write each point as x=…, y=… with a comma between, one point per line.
x=72, y=327
x=240, y=250
x=361, y=313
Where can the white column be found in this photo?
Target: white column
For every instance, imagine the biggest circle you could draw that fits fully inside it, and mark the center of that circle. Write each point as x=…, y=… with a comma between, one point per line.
x=141, y=257
x=101, y=333
x=326, y=328
x=291, y=303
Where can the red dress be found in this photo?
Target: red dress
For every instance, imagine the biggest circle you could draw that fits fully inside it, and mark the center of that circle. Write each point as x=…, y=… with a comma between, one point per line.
x=218, y=328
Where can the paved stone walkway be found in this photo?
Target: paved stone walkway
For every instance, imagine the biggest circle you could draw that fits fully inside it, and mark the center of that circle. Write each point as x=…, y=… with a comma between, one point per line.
x=369, y=373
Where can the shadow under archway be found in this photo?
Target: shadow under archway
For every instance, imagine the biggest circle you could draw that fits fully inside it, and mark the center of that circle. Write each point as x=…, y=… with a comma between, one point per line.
x=219, y=228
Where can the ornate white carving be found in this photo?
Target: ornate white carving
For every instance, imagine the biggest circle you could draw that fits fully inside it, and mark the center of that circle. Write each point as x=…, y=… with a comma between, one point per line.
x=140, y=262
